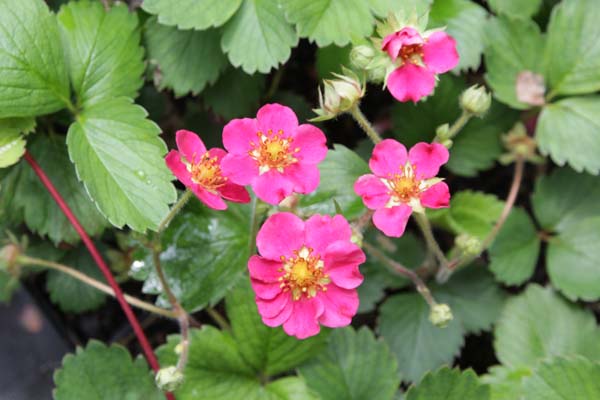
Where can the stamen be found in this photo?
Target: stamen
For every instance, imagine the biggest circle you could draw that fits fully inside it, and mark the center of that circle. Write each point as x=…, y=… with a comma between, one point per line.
x=304, y=275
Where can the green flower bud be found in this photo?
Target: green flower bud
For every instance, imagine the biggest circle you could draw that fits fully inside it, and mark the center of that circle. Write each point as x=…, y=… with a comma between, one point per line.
x=361, y=56
x=468, y=245
x=440, y=315
x=169, y=379
x=476, y=100
x=338, y=95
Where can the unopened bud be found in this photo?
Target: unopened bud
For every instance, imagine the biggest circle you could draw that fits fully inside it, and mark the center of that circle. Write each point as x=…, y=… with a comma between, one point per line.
x=169, y=379
x=476, y=100
x=339, y=95
x=468, y=245
x=361, y=56
x=440, y=315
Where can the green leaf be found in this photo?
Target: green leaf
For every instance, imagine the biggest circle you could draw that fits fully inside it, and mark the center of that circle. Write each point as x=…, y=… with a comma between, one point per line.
x=216, y=370
x=465, y=21
x=8, y=285
x=505, y=383
x=470, y=212
x=573, y=260
x=99, y=372
x=331, y=59
x=516, y=8
x=188, y=60
x=569, y=131
x=32, y=66
x=449, y=384
x=564, y=378
x=70, y=294
x=355, y=366
x=268, y=350
x=419, y=345
x=340, y=169
x=515, y=251
x=119, y=158
x=477, y=146
x=235, y=84
x=382, y=8
x=103, y=50
x=258, y=38
x=204, y=254
x=573, y=54
x=26, y=199
x=415, y=123
x=513, y=46
x=564, y=198
x=12, y=143
x=475, y=299
x=192, y=14
x=330, y=21
x=538, y=323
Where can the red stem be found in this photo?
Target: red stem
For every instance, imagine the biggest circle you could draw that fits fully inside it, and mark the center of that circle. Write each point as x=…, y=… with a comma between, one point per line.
x=99, y=261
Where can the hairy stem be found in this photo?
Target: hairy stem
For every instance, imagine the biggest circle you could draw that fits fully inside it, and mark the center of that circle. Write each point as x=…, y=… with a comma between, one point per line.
x=175, y=210
x=432, y=244
x=459, y=124
x=400, y=269
x=444, y=274
x=25, y=260
x=364, y=123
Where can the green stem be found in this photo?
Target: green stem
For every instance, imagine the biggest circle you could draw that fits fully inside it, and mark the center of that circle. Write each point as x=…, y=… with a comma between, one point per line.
x=174, y=210
x=254, y=224
x=364, y=123
x=25, y=260
x=274, y=83
x=218, y=318
x=457, y=125
x=432, y=244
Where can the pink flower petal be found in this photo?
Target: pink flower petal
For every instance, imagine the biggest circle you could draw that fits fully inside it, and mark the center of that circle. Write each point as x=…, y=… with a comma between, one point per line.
x=393, y=43
x=439, y=53
x=437, y=196
x=280, y=318
x=190, y=145
x=264, y=290
x=178, y=168
x=305, y=177
x=238, y=135
x=372, y=190
x=411, y=82
x=263, y=269
x=428, y=158
x=272, y=308
x=340, y=305
x=312, y=144
x=322, y=230
x=392, y=221
x=211, y=200
x=235, y=193
x=280, y=235
x=272, y=187
x=303, y=322
x=341, y=264
x=218, y=153
x=388, y=157
x=275, y=117
x=240, y=169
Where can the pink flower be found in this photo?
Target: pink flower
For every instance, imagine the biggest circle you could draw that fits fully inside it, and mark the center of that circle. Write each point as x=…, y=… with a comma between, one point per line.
x=200, y=171
x=306, y=273
x=273, y=153
x=419, y=59
x=403, y=183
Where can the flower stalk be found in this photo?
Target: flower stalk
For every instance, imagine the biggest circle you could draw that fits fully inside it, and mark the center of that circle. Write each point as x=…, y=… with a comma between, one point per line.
x=364, y=123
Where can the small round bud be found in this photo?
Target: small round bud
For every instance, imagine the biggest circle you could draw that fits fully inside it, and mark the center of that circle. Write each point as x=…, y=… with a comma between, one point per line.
x=8, y=257
x=361, y=56
x=169, y=379
x=440, y=315
x=339, y=95
x=468, y=245
x=442, y=131
x=476, y=100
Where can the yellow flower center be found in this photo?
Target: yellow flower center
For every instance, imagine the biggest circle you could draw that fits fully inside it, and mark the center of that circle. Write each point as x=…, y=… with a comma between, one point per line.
x=207, y=173
x=411, y=53
x=303, y=274
x=273, y=151
x=404, y=188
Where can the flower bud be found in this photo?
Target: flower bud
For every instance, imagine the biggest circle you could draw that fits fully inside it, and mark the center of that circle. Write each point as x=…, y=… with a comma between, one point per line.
x=169, y=379
x=468, y=245
x=8, y=257
x=361, y=56
x=520, y=145
x=440, y=315
x=476, y=100
x=338, y=95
